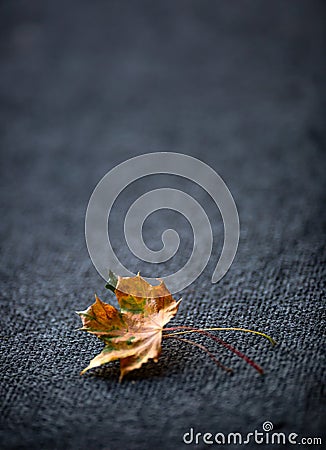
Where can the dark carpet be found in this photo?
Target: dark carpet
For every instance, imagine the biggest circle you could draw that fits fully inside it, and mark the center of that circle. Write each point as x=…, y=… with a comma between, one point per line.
x=85, y=85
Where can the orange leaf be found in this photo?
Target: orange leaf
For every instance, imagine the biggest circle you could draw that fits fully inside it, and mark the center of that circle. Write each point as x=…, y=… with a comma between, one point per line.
x=134, y=333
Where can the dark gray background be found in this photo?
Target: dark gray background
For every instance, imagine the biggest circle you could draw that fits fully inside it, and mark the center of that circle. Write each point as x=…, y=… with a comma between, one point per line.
x=88, y=84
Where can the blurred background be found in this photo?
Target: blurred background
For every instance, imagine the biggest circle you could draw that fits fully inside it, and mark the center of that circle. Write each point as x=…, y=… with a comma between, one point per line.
x=86, y=85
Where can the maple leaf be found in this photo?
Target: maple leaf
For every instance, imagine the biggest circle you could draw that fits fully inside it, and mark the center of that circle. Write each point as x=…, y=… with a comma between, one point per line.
x=134, y=334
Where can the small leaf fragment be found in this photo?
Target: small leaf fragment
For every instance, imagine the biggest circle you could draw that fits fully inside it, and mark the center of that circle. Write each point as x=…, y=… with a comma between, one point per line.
x=112, y=281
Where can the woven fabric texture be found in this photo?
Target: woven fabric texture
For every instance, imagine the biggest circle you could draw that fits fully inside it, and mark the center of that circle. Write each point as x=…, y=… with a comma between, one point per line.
x=87, y=85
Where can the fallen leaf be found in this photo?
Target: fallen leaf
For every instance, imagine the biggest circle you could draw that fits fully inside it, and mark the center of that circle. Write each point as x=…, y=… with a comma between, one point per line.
x=134, y=334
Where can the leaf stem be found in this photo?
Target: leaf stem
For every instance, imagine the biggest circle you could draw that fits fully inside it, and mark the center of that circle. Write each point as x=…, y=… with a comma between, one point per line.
x=224, y=344
x=196, y=330
x=235, y=351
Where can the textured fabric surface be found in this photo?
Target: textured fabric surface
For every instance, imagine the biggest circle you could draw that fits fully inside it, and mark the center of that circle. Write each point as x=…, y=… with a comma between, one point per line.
x=86, y=85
